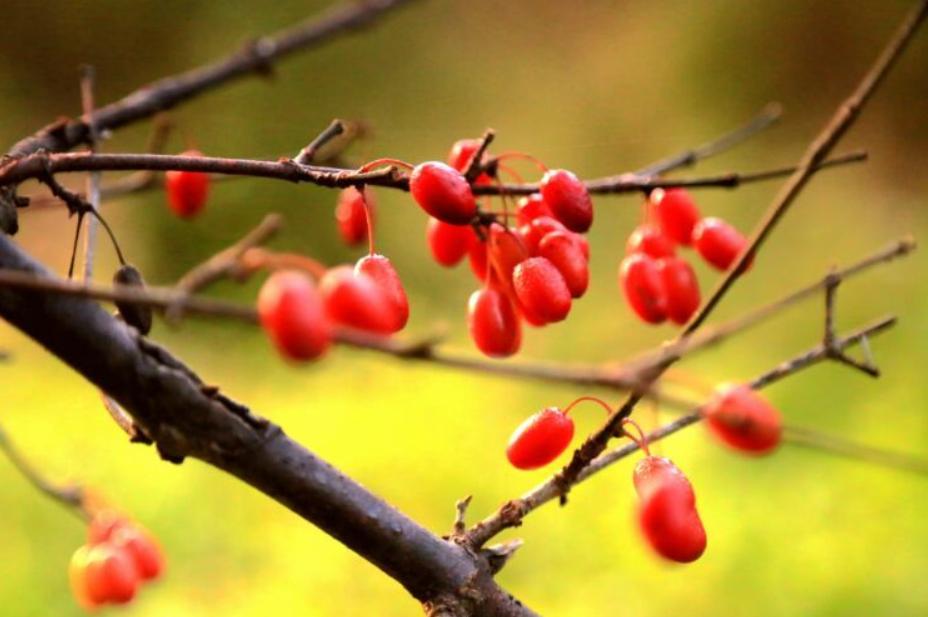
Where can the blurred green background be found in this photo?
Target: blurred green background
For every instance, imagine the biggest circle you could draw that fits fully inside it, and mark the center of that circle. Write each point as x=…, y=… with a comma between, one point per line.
x=599, y=87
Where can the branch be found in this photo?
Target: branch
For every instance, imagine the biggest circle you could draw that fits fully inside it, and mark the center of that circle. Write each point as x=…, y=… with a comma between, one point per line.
x=817, y=152
x=837, y=446
x=512, y=512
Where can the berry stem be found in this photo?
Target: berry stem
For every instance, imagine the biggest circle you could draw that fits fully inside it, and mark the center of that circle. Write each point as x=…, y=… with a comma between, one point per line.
x=641, y=440
x=384, y=161
x=369, y=219
x=515, y=154
x=591, y=399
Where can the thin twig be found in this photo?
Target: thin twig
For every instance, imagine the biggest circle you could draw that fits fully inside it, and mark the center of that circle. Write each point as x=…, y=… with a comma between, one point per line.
x=308, y=154
x=93, y=180
x=839, y=446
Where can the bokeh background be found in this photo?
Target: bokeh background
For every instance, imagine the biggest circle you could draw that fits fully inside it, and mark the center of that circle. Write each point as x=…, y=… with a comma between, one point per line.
x=596, y=86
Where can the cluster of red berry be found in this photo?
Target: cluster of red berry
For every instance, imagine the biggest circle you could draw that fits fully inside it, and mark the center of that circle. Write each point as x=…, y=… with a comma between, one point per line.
x=667, y=514
x=530, y=271
x=659, y=285
x=119, y=556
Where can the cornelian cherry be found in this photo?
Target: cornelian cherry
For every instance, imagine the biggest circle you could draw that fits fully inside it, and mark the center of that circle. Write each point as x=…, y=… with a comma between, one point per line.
x=743, y=419
x=460, y=155
x=356, y=300
x=493, y=323
x=681, y=289
x=506, y=252
x=651, y=241
x=187, y=190
x=568, y=198
x=380, y=270
x=103, y=574
x=443, y=192
x=643, y=287
x=449, y=243
x=351, y=216
x=290, y=310
x=478, y=258
x=563, y=250
x=533, y=232
x=541, y=289
x=142, y=549
x=540, y=439
x=532, y=207
x=676, y=212
x=667, y=510
x=104, y=524
x=719, y=243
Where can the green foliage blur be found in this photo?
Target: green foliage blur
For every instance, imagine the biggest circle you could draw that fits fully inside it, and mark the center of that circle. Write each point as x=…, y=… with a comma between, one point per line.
x=595, y=86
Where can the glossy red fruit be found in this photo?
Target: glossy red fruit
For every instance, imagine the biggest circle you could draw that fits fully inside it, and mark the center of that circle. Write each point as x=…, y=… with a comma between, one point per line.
x=479, y=260
x=104, y=524
x=744, y=420
x=540, y=439
x=568, y=198
x=449, y=243
x=681, y=288
x=719, y=243
x=651, y=241
x=77, y=577
x=532, y=207
x=541, y=289
x=460, y=155
x=187, y=190
x=142, y=549
x=442, y=192
x=110, y=575
x=533, y=232
x=677, y=214
x=493, y=323
x=290, y=310
x=643, y=287
x=356, y=301
x=667, y=510
x=380, y=270
x=506, y=251
x=351, y=216
x=563, y=250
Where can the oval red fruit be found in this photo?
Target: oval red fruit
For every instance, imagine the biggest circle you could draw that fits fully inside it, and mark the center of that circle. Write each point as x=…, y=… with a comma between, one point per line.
x=356, y=301
x=681, y=288
x=351, y=216
x=644, y=291
x=104, y=524
x=111, y=575
x=290, y=310
x=568, y=198
x=449, y=243
x=478, y=257
x=744, y=420
x=540, y=439
x=563, y=250
x=541, y=289
x=534, y=232
x=651, y=241
x=506, y=251
x=187, y=191
x=532, y=207
x=667, y=510
x=379, y=269
x=718, y=243
x=142, y=549
x=493, y=323
x=443, y=192
x=676, y=213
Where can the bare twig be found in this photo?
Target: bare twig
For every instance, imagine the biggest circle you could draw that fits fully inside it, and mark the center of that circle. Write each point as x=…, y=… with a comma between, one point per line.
x=308, y=154
x=93, y=180
x=838, y=446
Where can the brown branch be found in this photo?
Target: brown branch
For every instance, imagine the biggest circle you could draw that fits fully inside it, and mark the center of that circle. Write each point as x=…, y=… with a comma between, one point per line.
x=512, y=512
x=308, y=154
x=817, y=152
x=256, y=58
x=837, y=446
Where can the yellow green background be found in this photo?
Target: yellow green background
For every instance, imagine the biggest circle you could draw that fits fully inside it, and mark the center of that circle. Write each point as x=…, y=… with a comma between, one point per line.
x=598, y=87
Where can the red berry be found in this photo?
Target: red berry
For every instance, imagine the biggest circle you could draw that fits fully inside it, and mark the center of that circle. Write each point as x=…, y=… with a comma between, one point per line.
x=493, y=323
x=676, y=213
x=719, y=243
x=651, y=241
x=667, y=511
x=563, y=250
x=533, y=233
x=541, y=289
x=104, y=524
x=461, y=153
x=379, y=269
x=568, y=199
x=540, y=439
x=506, y=252
x=356, y=301
x=532, y=207
x=442, y=192
x=291, y=312
x=449, y=243
x=110, y=575
x=744, y=420
x=681, y=289
x=478, y=258
x=643, y=287
x=351, y=216
x=187, y=190
x=142, y=549
x=77, y=576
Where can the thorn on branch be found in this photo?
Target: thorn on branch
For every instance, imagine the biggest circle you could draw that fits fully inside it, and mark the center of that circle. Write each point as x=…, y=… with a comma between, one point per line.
x=499, y=554
x=474, y=166
x=460, y=516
